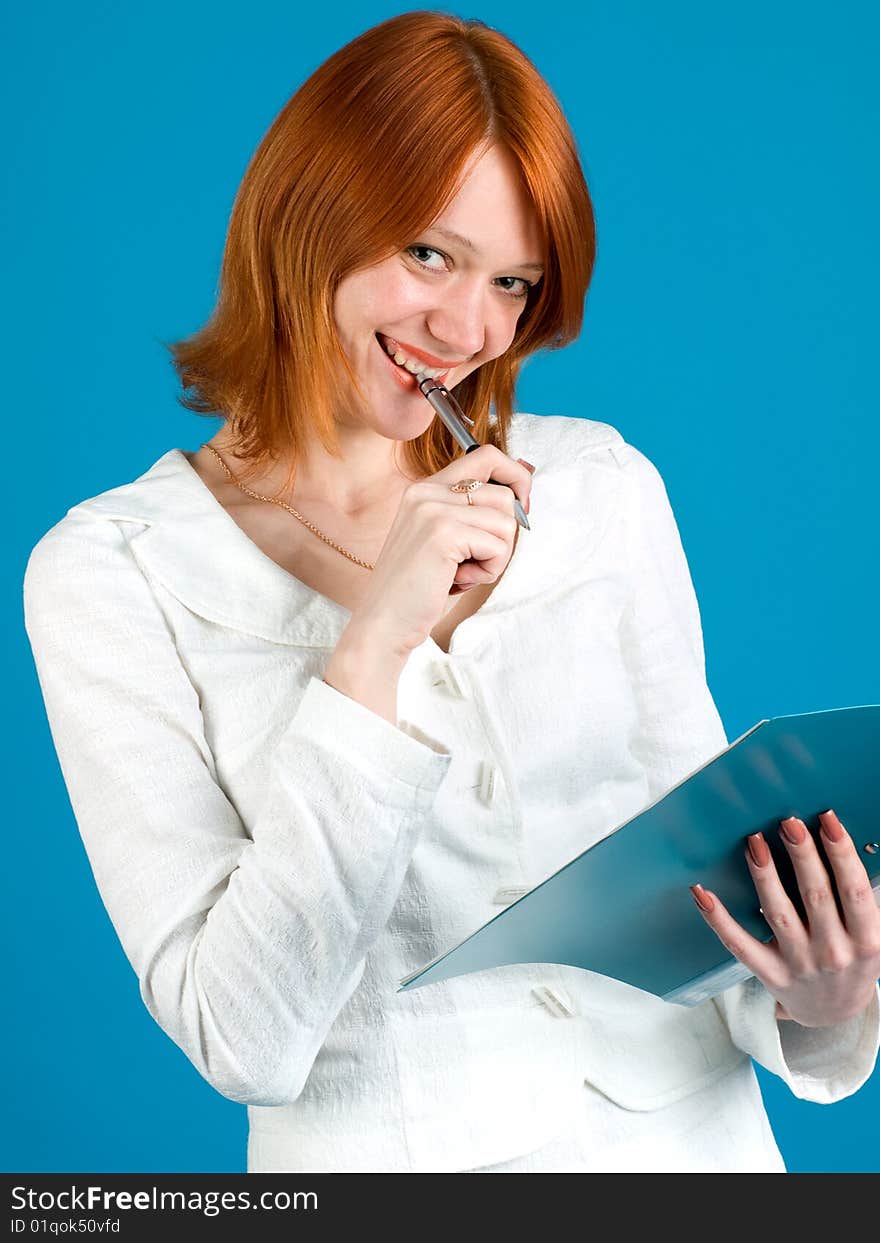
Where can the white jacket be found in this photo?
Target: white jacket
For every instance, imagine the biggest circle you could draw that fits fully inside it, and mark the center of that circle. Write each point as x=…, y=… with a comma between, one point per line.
x=275, y=857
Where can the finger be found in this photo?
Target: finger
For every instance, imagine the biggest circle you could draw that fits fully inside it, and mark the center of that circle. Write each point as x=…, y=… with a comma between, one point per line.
x=826, y=928
x=471, y=573
x=777, y=907
x=490, y=496
x=488, y=462
x=486, y=537
x=860, y=914
x=764, y=961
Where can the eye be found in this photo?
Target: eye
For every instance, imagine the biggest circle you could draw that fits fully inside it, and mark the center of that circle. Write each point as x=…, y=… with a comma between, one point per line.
x=524, y=286
x=425, y=250
x=520, y=286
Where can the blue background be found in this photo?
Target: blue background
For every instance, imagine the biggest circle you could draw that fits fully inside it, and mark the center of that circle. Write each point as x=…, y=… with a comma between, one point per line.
x=730, y=334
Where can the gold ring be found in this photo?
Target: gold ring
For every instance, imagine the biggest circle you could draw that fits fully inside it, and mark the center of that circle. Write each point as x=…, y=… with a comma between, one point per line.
x=467, y=486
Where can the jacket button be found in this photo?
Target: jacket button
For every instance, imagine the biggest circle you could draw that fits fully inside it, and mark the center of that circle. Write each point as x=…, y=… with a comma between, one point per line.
x=503, y=897
x=555, y=1000
x=444, y=675
x=488, y=783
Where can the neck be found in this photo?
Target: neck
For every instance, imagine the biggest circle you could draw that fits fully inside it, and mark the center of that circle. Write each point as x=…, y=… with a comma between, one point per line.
x=365, y=477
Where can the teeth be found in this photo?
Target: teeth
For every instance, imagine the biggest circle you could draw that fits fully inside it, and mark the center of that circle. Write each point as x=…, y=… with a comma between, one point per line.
x=415, y=368
x=418, y=369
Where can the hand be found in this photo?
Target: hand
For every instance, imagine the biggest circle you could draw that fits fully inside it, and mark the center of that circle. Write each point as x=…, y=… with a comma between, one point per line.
x=826, y=970
x=438, y=542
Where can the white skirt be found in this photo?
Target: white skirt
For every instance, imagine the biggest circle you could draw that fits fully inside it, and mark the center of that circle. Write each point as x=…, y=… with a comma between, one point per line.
x=722, y=1129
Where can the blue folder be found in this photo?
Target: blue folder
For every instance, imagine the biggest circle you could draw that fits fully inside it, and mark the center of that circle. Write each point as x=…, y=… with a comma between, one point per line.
x=622, y=908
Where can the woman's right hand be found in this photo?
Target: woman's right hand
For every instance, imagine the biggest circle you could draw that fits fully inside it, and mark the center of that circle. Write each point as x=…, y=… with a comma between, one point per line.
x=439, y=545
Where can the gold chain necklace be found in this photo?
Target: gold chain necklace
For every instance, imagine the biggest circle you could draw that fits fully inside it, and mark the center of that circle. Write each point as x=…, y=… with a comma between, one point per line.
x=274, y=501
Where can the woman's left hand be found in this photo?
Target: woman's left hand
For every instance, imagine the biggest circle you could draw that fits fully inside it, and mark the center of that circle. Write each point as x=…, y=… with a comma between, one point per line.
x=826, y=970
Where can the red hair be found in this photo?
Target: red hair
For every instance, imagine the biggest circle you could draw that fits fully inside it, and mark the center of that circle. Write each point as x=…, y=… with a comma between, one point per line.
x=339, y=182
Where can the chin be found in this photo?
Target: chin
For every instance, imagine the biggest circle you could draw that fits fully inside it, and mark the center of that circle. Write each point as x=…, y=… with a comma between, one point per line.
x=397, y=420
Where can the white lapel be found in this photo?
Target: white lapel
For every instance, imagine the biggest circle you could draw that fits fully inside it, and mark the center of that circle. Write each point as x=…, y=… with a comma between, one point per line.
x=196, y=551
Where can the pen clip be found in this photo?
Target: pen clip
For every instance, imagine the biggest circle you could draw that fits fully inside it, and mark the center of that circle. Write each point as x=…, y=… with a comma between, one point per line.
x=457, y=408
x=436, y=387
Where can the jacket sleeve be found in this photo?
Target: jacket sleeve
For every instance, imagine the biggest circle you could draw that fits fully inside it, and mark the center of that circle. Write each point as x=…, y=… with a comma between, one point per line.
x=678, y=726
x=679, y=729
x=246, y=944
x=820, y=1064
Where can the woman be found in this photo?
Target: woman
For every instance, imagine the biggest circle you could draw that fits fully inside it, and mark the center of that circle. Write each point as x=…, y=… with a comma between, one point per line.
x=320, y=713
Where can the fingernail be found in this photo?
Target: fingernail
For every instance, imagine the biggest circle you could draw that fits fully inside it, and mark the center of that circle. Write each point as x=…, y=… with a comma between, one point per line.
x=793, y=830
x=702, y=899
x=831, y=826
x=528, y=465
x=758, y=849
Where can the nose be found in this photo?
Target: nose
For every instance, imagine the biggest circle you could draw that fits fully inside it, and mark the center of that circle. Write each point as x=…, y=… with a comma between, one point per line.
x=458, y=321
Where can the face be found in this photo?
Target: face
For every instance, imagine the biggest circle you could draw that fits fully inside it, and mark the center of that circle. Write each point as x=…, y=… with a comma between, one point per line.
x=449, y=302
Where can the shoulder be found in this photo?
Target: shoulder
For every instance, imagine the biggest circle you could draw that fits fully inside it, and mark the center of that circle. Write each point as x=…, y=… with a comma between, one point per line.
x=95, y=532
x=561, y=441
x=559, y=437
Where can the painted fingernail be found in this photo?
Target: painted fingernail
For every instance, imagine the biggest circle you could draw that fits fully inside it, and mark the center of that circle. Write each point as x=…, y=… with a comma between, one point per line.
x=758, y=849
x=831, y=826
x=702, y=899
x=793, y=830
x=528, y=465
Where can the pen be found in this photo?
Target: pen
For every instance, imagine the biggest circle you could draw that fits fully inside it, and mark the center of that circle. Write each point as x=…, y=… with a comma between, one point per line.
x=455, y=418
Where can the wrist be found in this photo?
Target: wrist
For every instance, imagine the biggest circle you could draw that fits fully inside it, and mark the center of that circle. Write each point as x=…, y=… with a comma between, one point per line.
x=368, y=640
x=366, y=672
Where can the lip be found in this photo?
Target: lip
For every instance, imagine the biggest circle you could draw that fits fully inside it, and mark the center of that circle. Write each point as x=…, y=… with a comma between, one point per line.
x=404, y=378
x=430, y=360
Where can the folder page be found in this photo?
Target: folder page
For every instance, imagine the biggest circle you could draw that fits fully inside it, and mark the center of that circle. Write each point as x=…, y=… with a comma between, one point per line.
x=623, y=908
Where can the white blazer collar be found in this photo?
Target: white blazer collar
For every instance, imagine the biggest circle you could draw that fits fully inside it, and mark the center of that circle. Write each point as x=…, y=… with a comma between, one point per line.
x=196, y=551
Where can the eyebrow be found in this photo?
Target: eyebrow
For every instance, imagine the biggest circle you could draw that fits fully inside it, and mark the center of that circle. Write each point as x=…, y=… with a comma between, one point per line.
x=452, y=236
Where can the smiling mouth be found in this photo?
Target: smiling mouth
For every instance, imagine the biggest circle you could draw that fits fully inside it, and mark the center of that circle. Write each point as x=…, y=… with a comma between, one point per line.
x=413, y=367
